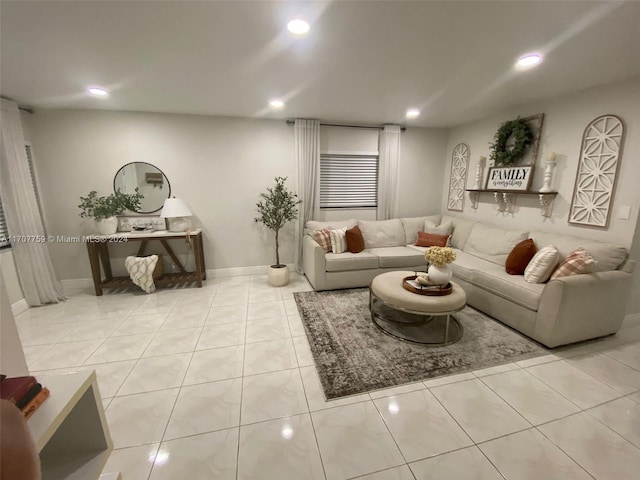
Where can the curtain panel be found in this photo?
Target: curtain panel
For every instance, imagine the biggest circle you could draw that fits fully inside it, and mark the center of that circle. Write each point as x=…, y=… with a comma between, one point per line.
x=388, y=162
x=307, y=150
x=33, y=263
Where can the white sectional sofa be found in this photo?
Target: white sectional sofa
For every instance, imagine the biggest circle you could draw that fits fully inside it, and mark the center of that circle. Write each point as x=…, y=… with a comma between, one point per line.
x=561, y=311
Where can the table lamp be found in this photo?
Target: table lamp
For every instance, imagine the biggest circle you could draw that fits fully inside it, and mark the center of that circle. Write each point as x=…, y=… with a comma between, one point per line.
x=176, y=211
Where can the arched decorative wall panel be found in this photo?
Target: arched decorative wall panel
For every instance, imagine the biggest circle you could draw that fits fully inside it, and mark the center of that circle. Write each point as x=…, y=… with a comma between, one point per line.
x=597, y=173
x=458, y=178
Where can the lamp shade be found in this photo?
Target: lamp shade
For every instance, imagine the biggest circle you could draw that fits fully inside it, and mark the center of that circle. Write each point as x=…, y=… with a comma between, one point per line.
x=175, y=207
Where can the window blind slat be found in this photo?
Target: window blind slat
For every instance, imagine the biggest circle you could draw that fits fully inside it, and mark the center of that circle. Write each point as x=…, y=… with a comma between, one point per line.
x=348, y=181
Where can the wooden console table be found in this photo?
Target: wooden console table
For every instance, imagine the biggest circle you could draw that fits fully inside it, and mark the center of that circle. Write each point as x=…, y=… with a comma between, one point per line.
x=98, y=248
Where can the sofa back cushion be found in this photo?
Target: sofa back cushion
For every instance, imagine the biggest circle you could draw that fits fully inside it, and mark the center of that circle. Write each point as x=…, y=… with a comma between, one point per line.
x=382, y=233
x=608, y=256
x=413, y=225
x=492, y=244
x=461, y=230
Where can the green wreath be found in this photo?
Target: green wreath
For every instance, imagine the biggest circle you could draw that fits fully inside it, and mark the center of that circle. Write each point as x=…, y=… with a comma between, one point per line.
x=522, y=135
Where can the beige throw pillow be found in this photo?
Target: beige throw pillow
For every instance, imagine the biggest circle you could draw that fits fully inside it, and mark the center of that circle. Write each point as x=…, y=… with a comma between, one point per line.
x=339, y=240
x=542, y=265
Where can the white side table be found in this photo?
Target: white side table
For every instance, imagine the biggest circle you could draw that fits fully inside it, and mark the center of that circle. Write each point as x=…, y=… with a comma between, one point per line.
x=70, y=428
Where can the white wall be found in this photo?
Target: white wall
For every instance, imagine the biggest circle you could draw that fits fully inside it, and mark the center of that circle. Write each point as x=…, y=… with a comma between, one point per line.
x=12, y=360
x=565, y=120
x=217, y=165
x=10, y=276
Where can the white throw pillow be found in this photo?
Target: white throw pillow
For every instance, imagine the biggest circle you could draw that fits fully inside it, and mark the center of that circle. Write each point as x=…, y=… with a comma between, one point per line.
x=542, y=265
x=338, y=240
x=444, y=228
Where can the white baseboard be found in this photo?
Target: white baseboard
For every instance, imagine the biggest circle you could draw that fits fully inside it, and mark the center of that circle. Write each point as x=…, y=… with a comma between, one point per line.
x=78, y=283
x=632, y=319
x=20, y=306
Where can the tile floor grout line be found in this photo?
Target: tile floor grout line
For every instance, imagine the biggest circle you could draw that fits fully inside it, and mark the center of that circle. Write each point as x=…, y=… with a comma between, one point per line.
x=562, y=449
x=244, y=356
x=313, y=425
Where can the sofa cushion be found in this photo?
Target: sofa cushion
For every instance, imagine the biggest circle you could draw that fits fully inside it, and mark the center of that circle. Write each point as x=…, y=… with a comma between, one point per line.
x=395, y=257
x=461, y=230
x=445, y=228
x=313, y=225
x=355, y=241
x=413, y=225
x=609, y=256
x=343, y=262
x=579, y=261
x=432, y=240
x=542, y=265
x=520, y=257
x=382, y=233
x=465, y=263
x=493, y=244
x=510, y=287
x=338, y=240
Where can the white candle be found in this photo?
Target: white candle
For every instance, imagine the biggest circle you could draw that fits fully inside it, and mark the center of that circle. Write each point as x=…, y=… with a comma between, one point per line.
x=551, y=157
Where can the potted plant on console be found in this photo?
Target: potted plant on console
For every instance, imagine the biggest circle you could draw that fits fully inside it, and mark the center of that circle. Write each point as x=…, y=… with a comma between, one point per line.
x=104, y=209
x=276, y=208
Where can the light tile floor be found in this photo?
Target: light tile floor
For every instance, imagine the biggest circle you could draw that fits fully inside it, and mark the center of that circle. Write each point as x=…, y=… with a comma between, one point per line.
x=219, y=383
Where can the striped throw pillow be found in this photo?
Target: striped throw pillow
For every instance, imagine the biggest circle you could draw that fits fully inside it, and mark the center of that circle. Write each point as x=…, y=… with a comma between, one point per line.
x=323, y=238
x=578, y=261
x=339, y=240
x=542, y=265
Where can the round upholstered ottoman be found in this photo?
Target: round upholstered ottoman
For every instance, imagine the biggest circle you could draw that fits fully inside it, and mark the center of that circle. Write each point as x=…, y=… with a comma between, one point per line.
x=414, y=317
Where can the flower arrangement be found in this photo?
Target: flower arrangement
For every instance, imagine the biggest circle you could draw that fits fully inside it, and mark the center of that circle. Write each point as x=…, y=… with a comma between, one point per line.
x=439, y=256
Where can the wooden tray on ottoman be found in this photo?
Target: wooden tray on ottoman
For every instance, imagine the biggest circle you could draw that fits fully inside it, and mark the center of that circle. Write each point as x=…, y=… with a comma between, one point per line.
x=432, y=290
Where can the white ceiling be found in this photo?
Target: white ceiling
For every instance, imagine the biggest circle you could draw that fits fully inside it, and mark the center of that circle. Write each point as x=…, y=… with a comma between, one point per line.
x=364, y=62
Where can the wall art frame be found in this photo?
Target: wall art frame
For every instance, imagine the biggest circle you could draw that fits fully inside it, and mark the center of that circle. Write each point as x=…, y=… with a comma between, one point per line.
x=513, y=179
x=458, y=178
x=597, y=173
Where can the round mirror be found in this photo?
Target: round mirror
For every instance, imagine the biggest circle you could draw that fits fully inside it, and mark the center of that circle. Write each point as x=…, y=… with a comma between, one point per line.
x=150, y=182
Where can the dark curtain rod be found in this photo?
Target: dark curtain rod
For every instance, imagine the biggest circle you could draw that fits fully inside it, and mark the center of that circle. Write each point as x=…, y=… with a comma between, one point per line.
x=376, y=127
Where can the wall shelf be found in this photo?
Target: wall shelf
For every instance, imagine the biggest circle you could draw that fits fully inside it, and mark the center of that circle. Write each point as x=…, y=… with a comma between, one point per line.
x=506, y=199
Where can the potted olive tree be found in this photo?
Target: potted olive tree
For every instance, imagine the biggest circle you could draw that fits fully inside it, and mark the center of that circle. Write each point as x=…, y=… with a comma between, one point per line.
x=277, y=207
x=104, y=209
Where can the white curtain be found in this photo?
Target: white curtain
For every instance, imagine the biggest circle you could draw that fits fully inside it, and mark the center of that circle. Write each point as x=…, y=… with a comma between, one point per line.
x=388, y=161
x=307, y=144
x=35, y=270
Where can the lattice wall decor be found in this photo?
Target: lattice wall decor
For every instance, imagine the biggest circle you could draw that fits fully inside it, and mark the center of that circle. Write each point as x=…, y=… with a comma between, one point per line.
x=458, y=179
x=597, y=172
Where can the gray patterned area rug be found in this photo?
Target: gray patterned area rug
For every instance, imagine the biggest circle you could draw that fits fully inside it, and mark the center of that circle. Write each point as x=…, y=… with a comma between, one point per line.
x=353, y=356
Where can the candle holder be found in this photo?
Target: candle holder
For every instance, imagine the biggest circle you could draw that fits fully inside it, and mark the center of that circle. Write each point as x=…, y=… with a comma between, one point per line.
x=548, y=175
x=479, y=173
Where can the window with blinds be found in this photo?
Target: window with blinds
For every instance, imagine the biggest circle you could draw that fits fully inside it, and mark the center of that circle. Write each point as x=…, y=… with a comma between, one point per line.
x=348, y=181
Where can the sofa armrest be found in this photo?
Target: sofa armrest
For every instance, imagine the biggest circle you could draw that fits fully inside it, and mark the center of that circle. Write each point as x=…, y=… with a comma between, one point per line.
x=580, y=307
x=313, y=263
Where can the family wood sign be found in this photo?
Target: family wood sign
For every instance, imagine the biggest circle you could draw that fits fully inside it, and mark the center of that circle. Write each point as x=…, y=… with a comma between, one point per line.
x=517, y=179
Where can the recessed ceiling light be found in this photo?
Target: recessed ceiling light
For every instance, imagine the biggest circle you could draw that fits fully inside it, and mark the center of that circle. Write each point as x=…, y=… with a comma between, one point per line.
x=276, y=104
x=297, y=26
x=529, y=60
x=97, y=92
x=413, y=113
